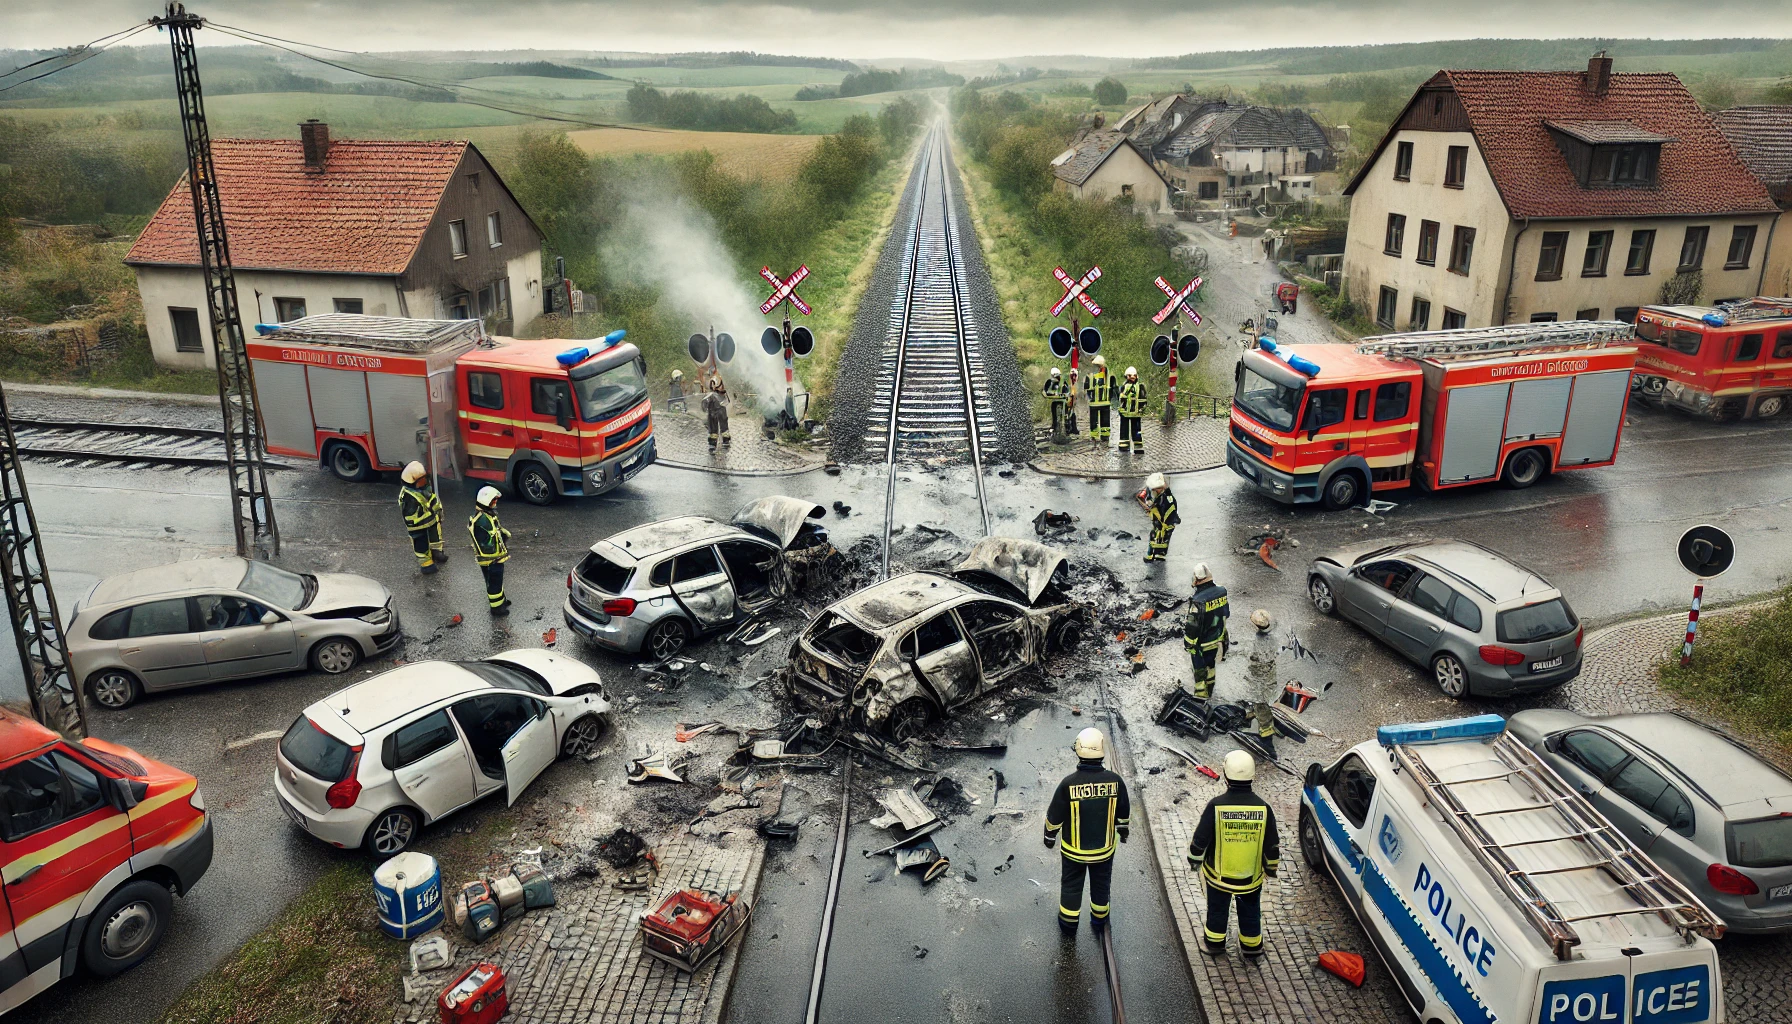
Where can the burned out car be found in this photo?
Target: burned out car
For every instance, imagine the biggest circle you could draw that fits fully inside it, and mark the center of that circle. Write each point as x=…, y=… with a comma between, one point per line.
x=897, y=655
x=656, y=587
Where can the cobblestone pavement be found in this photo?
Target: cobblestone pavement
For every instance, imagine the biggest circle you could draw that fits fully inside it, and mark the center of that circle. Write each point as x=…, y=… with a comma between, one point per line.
x=683, y=440
x=581, y=960
x=1187, y=446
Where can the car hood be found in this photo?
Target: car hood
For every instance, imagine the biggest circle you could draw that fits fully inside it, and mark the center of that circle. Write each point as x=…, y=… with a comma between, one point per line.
x=779, y=516
x=337, y=591
x=1026, y=565
x=561, y=673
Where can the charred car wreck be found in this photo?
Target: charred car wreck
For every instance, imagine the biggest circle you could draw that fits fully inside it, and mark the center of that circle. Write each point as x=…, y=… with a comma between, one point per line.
x=898, y=655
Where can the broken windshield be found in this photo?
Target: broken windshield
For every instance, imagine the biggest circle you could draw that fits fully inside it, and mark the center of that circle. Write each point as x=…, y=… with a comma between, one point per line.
x=605, y=394
x=1267, y=402
x=839, y=639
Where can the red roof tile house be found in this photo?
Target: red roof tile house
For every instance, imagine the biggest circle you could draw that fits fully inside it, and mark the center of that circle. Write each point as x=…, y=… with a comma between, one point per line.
x=1506, y=196
x=386, y=228
x=1762, y=137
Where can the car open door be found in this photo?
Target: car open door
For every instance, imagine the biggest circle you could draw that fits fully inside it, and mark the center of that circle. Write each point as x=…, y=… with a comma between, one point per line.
x=528, y=752
x=940, y=653
x=432, y=764
x=703, y=589
x=1003, y=636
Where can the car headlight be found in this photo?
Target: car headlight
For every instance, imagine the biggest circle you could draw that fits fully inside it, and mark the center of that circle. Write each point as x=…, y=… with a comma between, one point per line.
x=378, y=617
x=197, y=799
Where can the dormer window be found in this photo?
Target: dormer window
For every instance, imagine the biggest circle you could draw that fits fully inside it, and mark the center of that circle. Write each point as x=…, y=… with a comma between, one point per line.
x=1624, y=165
x=1609, y=154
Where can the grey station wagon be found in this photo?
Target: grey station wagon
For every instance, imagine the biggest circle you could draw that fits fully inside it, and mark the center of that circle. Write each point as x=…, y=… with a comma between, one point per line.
x=1482, y=623
x=213, y=619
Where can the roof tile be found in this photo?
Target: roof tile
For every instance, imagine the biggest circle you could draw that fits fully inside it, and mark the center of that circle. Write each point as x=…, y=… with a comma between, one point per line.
x=1762, y=137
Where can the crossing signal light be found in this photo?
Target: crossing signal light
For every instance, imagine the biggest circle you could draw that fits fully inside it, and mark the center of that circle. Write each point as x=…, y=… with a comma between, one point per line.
x=1090, y=340
x=772, y=340
x=725, y=347
x=1061, y=342
x=802, y=341
x=1160, y=350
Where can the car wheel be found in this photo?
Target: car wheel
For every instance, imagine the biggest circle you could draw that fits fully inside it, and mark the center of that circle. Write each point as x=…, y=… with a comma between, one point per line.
x=1451, y=676
x=1311, y=849
x=335, y=656
x=1343, y=490
x=1324, y=601
x=349, y=463
x=1524, y=468
x=910, y=720
x=1769, y=407
x=534, y=484
x=113, y=689
x=1065, y=636
x=126, y=928
x=392, y=832
x=666, y=638
x=583, y=736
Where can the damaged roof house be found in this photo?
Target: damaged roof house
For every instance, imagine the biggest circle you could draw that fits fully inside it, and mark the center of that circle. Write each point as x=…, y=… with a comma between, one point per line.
x=1206, y=146
x=385, y=228
x=1105, y=164
x=1762, y=137
x=1505, y=196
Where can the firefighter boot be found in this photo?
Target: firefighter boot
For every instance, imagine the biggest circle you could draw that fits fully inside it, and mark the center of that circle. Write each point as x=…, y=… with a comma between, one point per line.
x=1266, y=729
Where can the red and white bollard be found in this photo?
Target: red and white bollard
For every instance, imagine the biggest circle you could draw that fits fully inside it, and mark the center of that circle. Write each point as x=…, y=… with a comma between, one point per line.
x=1692, y=624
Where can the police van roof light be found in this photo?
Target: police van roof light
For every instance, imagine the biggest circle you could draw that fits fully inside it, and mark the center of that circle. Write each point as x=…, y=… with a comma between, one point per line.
x=614, y=336
x=1479, y=727
x=573, y=356
x=266, y=329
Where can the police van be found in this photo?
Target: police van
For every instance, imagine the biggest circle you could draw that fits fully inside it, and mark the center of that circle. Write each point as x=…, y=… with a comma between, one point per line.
x=1495, y=893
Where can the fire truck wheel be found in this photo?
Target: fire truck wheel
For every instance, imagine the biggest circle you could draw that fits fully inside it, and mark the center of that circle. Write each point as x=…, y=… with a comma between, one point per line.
x=534, y=484
x=348, y=462
x=1524, y=468
x=1769, y=407
x=113, y=689
x=126, y=927
x=1451, y=676
x=1343, y=490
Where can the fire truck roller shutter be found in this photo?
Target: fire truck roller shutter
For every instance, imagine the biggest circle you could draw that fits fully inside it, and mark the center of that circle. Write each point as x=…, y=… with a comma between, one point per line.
x=285, y=408
x=1594, y=417
x=338, y=400
x=1472, y=435
x=399, y=404
x=1538, y=408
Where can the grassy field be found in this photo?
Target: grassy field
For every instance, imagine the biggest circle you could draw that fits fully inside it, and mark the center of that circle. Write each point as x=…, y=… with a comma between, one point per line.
x=774, y=157
x=1742, y=669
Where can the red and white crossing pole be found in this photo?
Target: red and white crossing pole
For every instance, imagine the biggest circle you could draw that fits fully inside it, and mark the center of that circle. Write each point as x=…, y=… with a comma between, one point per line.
x=1692, y=624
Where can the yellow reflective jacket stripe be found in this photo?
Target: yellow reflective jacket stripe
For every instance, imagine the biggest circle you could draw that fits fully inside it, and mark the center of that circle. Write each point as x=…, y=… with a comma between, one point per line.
x=488, y=538
x=1236, y=861
x=421, y=509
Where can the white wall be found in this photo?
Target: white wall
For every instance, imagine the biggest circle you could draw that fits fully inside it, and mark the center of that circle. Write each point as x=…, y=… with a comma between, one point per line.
x=164, y=287
x=1125, y=167
x=1575, y=292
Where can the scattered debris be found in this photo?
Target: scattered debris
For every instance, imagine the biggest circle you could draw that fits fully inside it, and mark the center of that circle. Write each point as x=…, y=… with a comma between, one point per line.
x=758, y=638
x=552, y=636
x=925, y=830
x=1148, y=614
x=831, y=468
x=1348, y=966
x=1263, y=550
x=972, y=748
x=1007, y=865
x=654, y=766
x=1300, y=650
x=620, y=848
x=1297, y=697
x=1190, y=758
x=842, y=510
x=430, y=953
x=418, y=987
x=925, y=857
x=1376, y=506
x=686, y=733
x=691, y=926
x=902, y=805
x=920, y=952
x=1057, y=521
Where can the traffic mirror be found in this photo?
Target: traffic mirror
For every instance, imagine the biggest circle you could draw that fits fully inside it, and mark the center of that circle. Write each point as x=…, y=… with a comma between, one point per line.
x=802, y=341
x=725, y=347
x=1706, y=551
x=699, y=345
x=1090, y=340
x=1160, y=350
x=772, y=340
x=1061, y=342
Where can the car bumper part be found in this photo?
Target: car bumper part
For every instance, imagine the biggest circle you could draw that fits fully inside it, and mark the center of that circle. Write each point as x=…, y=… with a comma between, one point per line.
x=388, y=638
x=190, y=859
x=1290, y=488
x=1487, y=681
x=611, y=472
x=340, y=828
x=617, y=632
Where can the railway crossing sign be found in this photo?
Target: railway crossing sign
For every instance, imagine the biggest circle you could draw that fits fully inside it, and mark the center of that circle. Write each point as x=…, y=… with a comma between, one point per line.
x=701, y=348
x=1077, y=290
x=1178, y=300
x=784, y=290
x=802, y=341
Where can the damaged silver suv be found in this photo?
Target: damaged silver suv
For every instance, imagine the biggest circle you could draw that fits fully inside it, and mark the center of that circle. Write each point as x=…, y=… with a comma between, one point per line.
x=909, y=649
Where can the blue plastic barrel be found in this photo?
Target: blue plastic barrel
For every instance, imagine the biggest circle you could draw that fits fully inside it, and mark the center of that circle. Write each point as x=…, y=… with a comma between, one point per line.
x=408, y=889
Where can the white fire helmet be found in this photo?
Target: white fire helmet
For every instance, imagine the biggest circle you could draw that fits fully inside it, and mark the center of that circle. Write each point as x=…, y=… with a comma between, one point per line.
x=1101, y=362
x=487, y=497
x=1156, y=482
x=1089, y=745
x=1132, y=371
x=413, y=473
x=1260, y=619
x=1056, y=373
x=1203, y=574
x=677, y=374
x=1240, y=767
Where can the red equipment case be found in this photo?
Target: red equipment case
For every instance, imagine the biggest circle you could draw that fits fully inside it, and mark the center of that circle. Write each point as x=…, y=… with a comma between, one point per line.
x=692, y=926
x=476, y=997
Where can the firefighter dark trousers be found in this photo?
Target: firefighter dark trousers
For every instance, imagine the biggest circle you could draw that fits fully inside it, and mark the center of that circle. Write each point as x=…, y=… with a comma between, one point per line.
x=494, y=584
x=427, y=543
x=1160, y=538
x=1070, y=892
x=1250, y=919
x=1099, y=423
x=1130, y=438
x=1204, y=662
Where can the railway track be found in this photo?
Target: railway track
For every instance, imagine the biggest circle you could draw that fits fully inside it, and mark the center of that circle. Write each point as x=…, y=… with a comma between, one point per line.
x=77, y=441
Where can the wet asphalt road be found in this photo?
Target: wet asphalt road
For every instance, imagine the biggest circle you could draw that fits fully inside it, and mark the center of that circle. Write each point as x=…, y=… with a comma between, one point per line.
x=1605, y=536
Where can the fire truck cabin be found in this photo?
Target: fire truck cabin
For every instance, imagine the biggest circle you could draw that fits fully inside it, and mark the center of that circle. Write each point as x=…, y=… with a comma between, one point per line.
x=1727, y=362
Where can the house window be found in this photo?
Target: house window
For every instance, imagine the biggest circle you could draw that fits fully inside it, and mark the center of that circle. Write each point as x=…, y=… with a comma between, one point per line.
x=1396, y=234
x=494, y=231
x=288, y=309
x=460, y=307
x=1386, y=306
x=457, y=238
x=1454, y=319
x=1437, y=104
x=1599, y=249
x=1625, y=313
x=501, y=292
x=1623, y=165
x=1587, y=314
x=1742, y=245
x=1403, y=161
x=1456, y=167
x=1550, y=255
x=1642, y=243
x=1208, y=190
x=1692, y=249
x=485, y=390
x=486, y=301
x=1462, y=250
x=186, y=329
x=1428, y=242
x=347, y=306
x=1421, y=315
x=1543, y=318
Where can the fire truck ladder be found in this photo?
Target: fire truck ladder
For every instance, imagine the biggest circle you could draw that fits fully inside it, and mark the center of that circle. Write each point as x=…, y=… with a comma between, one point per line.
x=252, y=511
x=1608, y=850
x=36, y=623
x=1760, y=307
x=1504, y=340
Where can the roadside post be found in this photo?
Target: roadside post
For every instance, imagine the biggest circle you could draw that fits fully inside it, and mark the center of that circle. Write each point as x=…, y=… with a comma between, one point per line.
x=1175, y=347
x=1078, y=339
x=706, y=350
x=1706, y=552
x=794, y=342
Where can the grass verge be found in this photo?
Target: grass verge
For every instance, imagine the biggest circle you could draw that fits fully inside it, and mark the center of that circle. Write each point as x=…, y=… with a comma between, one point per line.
x=1742, y=669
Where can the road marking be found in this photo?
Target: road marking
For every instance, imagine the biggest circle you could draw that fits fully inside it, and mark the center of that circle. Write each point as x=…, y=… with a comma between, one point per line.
x=271, y=734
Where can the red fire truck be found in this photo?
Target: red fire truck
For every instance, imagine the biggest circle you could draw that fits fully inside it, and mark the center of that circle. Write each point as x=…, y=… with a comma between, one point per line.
x=1727, y=362
x=1335, y=424
x=363, y=394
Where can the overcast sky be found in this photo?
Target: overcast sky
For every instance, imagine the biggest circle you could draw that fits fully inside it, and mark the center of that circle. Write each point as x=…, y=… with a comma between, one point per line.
x=940, y=29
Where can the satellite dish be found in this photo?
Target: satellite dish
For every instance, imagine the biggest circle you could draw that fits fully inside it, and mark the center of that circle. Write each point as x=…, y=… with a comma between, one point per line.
x=1188, y=348
x=1061, y=342
x=772, y=340
x=725, y=347
x=1090, y=340
x=699, y=344
x=802, y=341
x=1706, y=551
x=1160, y=350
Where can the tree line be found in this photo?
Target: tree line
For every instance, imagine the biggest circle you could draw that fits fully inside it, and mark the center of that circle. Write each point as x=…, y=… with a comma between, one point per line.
x=880, y=80
x=700, y=111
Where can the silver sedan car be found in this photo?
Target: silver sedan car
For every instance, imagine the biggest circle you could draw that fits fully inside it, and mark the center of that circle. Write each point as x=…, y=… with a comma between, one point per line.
x=1480, y=622
x=214, y=619
x=1702, y=805
x=656, y=587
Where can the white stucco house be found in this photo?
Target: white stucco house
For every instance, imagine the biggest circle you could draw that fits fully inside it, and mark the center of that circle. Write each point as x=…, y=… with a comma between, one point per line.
x=1106, y=164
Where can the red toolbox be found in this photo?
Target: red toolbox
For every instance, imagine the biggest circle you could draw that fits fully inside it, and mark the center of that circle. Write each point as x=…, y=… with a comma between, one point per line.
x=476, y=997
x=692, y=926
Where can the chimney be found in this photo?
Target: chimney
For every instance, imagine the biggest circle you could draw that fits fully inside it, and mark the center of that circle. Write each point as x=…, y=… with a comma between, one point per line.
x=314, y=136
x=1599, y=74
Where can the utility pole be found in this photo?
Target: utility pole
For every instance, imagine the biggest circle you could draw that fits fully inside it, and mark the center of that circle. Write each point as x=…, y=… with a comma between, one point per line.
x=252, y=511
x=30, y=603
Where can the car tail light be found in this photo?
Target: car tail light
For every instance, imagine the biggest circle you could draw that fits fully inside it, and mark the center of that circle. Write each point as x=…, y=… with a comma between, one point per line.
x=344, y=793
x=1500, y=655
x=569, y=581
x=1728, y=880
x=623, y=606
x=1579, y=634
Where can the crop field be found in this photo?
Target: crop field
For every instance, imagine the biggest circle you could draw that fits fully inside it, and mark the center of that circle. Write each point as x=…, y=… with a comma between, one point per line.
x=772, y=157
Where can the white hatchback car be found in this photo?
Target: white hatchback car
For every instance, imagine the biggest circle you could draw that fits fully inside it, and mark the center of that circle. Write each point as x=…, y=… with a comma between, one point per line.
x=371, y=764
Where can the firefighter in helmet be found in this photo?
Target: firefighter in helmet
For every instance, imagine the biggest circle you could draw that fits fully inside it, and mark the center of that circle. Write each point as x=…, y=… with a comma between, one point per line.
x=1087, y=813
x=1234, y=847
x=1204, y=629
x=715, y=406
x=1161, y=504
x=1098, y=389
x=675, y=401
x=1262, y=674
x=1132, y=410
x=422, y=512
x=490, y=549
x=1057, y=393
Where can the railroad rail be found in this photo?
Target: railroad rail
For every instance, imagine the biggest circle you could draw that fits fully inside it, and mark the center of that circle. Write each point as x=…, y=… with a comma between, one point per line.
x=144, y=443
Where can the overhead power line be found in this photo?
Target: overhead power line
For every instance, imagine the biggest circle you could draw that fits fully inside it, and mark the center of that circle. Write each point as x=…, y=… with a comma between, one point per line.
x=69, y=58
